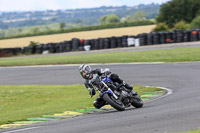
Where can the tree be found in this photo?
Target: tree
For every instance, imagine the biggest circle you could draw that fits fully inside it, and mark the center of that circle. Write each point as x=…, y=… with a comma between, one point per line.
x=62, y=26
x=139, y=16
x=102, y=19
x=161, y=27
x=182, y=25
x=32, y=43
x=175, y=11
x=107, y=19
x=195, y=22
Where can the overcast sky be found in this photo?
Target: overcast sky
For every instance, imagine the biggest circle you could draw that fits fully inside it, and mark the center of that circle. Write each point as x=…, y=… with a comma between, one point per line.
x=33, y=5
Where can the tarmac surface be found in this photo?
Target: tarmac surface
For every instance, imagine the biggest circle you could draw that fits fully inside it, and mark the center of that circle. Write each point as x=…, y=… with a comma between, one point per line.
x=174, y=113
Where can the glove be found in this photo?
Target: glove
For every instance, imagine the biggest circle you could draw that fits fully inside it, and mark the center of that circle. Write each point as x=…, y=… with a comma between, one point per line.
x=92, y=92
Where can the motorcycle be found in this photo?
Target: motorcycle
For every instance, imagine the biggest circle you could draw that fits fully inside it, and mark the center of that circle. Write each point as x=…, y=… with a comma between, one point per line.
x=115, y=94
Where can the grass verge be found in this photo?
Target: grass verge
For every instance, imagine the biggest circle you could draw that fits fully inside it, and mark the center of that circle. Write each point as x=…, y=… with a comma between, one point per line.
x=18, y=102
x=166, y=55
x=193, y=131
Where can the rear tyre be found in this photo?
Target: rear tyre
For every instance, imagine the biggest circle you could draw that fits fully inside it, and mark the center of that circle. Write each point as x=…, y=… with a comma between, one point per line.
x=137, y=101
x=117, y=104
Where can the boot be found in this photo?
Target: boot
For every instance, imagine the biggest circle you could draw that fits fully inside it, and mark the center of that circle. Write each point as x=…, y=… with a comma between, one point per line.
x=129, y=88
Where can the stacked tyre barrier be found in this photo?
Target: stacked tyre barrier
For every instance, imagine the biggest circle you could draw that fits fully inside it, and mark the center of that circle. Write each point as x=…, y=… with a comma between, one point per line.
x=153, y=38
x=10, y=52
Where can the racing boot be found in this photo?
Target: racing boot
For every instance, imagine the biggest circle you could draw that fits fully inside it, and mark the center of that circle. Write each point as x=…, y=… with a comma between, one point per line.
x=129, y=88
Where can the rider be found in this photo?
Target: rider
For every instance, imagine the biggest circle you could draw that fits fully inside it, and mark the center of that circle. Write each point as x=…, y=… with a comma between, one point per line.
x=90, y=75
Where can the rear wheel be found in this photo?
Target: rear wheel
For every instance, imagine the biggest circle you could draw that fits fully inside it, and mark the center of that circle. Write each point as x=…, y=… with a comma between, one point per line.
x=117, y=104
x=137, y=101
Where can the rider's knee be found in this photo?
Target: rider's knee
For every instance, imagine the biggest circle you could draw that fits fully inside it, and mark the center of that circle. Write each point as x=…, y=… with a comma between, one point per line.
x=115, y=78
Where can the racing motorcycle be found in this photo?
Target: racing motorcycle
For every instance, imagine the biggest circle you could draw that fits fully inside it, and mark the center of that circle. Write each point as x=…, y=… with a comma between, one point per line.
x=115, y=94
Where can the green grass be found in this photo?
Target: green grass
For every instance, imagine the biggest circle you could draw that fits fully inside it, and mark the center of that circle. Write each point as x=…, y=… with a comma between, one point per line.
x=18, y=102
x=166, y=55
x=193, y=131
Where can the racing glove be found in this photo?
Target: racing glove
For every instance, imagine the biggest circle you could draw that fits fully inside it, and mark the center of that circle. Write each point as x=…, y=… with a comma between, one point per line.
x=91, y=92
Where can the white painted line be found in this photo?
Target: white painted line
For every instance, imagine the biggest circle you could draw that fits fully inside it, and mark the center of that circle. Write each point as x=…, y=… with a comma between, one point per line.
x=169, y=92
x=24, y=129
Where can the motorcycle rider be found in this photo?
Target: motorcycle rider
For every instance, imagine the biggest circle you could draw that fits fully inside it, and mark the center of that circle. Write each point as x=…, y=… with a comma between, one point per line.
x=90, y=76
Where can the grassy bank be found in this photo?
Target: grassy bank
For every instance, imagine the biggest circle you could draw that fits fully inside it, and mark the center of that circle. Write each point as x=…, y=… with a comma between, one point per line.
x=23, y=101
x=165, y=55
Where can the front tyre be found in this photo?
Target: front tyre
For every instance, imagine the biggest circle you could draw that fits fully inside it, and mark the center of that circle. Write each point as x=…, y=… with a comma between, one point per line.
x=117, y=104
x=137, y=101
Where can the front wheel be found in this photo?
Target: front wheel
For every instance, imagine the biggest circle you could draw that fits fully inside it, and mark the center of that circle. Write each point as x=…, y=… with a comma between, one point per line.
x=137, y=101
x=117, y=104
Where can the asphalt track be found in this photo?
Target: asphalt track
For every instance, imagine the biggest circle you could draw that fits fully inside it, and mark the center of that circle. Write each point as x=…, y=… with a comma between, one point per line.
x=177, y=112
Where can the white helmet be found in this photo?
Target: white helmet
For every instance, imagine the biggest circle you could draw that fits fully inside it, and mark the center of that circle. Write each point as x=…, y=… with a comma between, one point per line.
x=85, y=71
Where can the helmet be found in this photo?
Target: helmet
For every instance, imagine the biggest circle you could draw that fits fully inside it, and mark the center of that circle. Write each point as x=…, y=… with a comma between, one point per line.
x=85, y=71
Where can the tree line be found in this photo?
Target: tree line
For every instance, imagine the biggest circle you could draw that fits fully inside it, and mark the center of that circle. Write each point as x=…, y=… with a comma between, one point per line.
x=179, y=14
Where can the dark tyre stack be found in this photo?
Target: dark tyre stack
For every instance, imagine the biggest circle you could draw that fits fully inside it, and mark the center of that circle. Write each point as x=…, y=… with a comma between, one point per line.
x=194, y=35
x=57, y=48
x=52, y=47
x=186, y=37
x=87, y=42
x=198, y=33
x=96, y=44
x=143, y=39
x=33, y=49
x=75, y=44
x=39, y=49
x=16, y=51
x=162, y=37
x=68, y=46
x=62, y=47
x=113, y=42
x=124, y=41
x=45, y=48
x=2, y=54
x=101, y=43
x=180, y=35
x=92, y=44
x=106, y=43
x=156, y=38
x=150, y=39
x=169, y=37
x=119, y=41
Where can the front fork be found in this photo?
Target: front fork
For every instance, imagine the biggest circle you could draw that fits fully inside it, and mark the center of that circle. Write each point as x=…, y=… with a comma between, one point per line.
x=108, y=91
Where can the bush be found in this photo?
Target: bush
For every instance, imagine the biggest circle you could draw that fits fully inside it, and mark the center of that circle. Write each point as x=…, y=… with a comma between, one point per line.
x=182, y=25
x=32, y=43
x=161, y=27
x=195, y=23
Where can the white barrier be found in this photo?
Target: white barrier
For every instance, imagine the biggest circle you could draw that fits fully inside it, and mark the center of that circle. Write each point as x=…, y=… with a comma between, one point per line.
x=131, y=41
x=87, y=47
x=137, y=42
